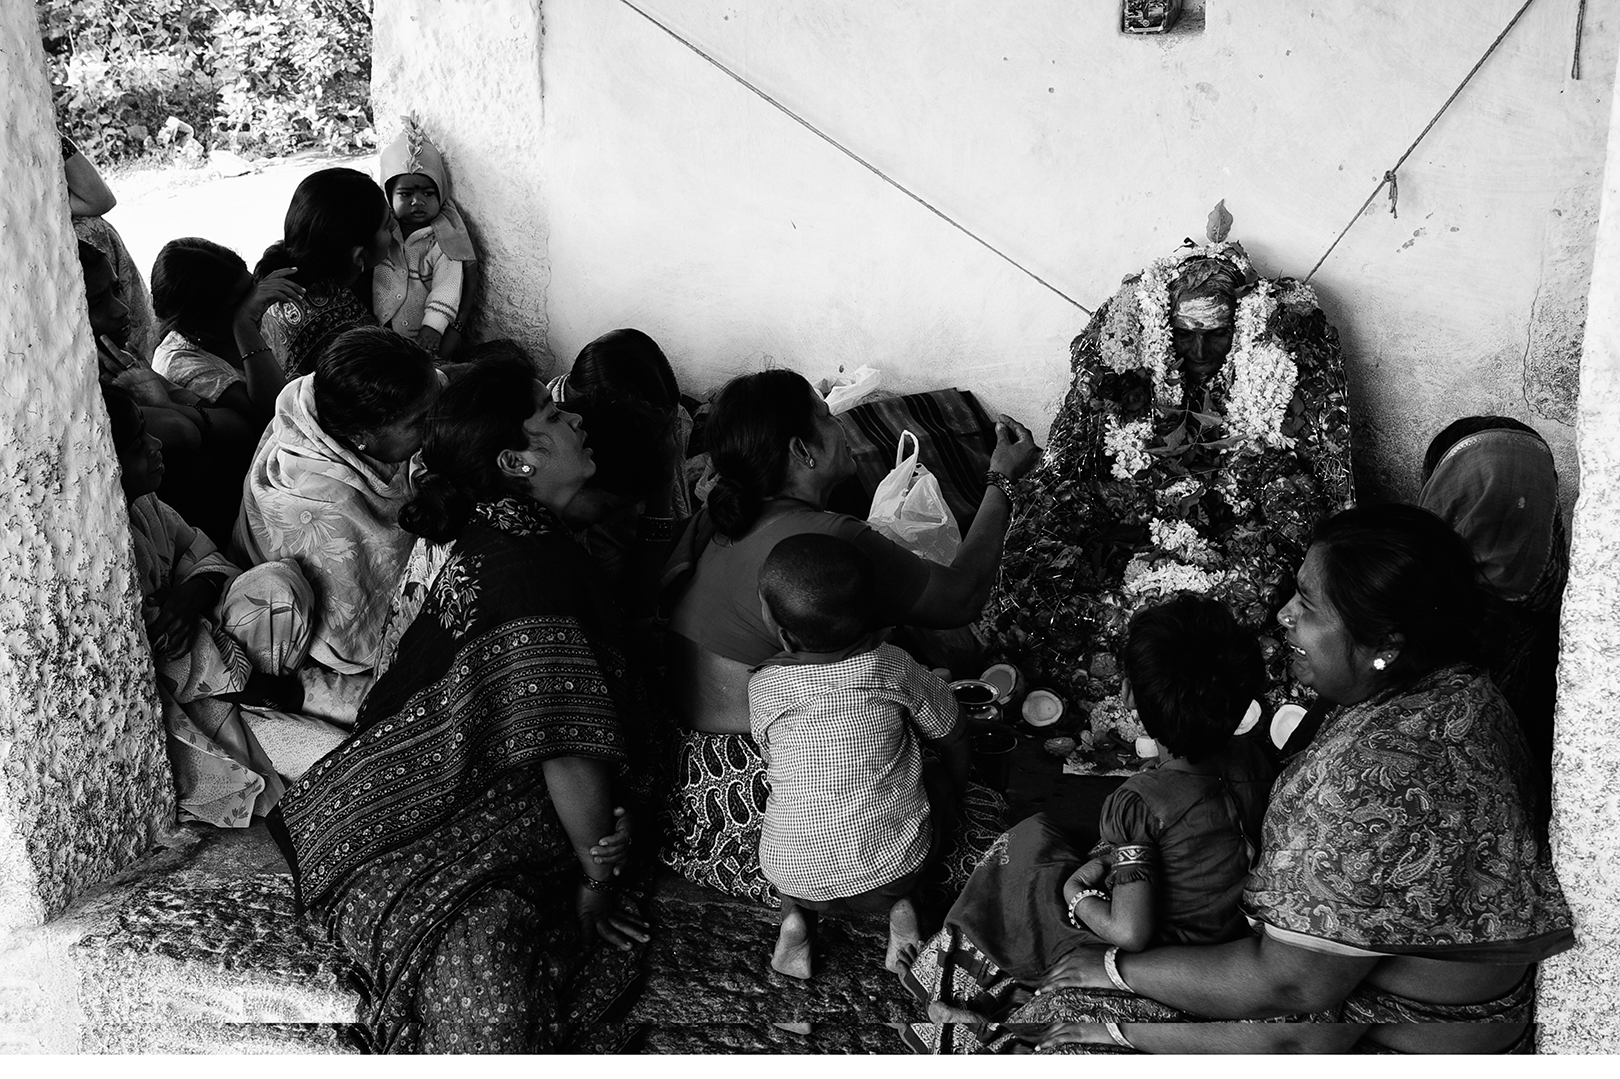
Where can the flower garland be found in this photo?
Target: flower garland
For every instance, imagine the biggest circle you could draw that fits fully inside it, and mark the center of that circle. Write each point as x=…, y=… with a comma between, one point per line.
x=1259, y=375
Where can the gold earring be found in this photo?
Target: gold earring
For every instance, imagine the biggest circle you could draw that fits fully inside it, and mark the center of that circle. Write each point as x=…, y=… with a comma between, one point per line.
x=1380, y=663
x=527, y=469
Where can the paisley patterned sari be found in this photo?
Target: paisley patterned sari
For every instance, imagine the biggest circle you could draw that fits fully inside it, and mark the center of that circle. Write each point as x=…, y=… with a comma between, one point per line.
x=429, y=841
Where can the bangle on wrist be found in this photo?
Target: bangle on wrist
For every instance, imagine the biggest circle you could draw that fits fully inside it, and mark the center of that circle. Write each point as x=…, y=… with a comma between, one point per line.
x=596, y=885
x=1117, y=1034
x=246, y=356
x=1093, y=893
x=1111, y=966
x=1001, y=482
x=655, y=529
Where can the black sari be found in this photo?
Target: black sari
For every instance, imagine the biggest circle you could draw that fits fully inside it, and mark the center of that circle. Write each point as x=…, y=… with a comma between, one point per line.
x=428, y=840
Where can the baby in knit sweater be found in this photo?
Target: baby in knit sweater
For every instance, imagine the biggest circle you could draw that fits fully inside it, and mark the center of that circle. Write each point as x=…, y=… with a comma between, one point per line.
x=418, y=290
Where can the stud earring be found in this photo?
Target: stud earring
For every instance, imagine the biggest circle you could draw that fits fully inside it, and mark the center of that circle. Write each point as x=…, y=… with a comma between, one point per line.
x=812, y=462
x=527, y=469
x=361, y=446
x=1380, y=663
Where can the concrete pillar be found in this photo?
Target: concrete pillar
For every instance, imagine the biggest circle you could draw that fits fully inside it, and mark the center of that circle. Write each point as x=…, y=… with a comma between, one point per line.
x=85, y=784
x=1579, y=990
x=471, y=72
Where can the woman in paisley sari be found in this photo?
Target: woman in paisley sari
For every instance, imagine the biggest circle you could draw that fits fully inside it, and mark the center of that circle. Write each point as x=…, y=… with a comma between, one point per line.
x=326, y=488
x=1205, y=433
x=338, y=226
x=1402, y=898
x=448, y=843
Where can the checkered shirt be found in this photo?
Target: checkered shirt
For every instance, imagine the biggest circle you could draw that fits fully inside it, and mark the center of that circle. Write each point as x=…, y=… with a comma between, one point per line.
x=847, y=812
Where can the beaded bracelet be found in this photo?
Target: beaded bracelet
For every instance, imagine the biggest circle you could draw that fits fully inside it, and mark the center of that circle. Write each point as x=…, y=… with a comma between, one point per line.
x=1096, y=893
x=255, y=352
x=1117, y=1034
x=1001, y=482
x=596, y=885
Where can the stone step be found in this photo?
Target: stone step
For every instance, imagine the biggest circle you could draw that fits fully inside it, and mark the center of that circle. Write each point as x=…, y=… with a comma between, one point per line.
x=196, y=949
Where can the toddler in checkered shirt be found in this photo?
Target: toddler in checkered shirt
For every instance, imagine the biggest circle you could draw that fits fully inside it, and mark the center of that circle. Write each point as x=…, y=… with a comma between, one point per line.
x=853, y=817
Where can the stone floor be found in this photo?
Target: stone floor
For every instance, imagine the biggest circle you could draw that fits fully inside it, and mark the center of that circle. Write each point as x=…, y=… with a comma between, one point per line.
x=199, y=950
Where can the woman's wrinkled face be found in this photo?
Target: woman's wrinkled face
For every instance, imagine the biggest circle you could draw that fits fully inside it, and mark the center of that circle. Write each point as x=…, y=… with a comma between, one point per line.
x=1323, y=655
x=830, y=450
x=402, y=438
x=557, y=450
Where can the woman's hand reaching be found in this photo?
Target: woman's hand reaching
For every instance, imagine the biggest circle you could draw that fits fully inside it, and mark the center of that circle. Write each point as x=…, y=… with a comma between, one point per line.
x=1015, y=452
x=273, y=288
x=1080, y=969
x=610, y=917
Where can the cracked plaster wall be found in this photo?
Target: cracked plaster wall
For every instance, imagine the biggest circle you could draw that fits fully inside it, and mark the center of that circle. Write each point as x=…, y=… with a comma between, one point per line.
x=1586, y=761
x=84, y=777
x=645, y=188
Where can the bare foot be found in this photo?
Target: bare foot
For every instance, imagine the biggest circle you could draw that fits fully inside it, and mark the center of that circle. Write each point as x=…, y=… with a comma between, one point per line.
x=942, y=1013
x=793, y=951
x=905, y=938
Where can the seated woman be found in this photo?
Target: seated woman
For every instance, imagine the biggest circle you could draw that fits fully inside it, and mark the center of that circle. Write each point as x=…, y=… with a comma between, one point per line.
x=338, y=226
x=1205, y=433
x=1401, y=893
x=205, y=648
x=210, y=344
x=1493, y=480
x=779, y=454
x=89, y=199
x=472, y=914
x=326, y=488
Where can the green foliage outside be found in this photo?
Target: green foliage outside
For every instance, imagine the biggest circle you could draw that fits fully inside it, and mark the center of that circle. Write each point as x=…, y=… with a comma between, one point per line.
x=259, y=77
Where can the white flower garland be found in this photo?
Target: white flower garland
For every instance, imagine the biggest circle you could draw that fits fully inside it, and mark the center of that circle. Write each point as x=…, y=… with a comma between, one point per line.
x=1180, y=538
x=1146, y=580
x=1260, y=376
x=1128, y=443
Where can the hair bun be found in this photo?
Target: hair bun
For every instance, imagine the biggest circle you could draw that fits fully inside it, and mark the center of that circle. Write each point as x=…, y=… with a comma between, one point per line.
x=734, y=507
x=438, y=511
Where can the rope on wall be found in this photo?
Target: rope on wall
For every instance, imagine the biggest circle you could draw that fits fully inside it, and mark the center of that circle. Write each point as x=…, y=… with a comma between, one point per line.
x=1389, y=176
x=852, y=155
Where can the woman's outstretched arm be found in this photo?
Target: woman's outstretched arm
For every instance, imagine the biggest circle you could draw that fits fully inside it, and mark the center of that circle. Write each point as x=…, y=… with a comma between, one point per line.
x=1252, y=978
x=956, y=593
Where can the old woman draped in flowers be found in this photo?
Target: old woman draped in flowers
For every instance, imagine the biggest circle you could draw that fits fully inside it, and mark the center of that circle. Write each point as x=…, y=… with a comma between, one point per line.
x=1204, y=435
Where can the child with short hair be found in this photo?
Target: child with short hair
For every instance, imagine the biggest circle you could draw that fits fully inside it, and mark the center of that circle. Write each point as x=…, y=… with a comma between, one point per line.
x=852, y=818
x=1177, y=839
x=419, y=290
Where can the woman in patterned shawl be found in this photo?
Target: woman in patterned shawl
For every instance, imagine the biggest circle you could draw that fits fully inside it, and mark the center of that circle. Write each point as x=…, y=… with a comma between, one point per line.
x=338, y=226
x=1402, y=893
x=449, y=841
x=326, y=488
x=1205, y=433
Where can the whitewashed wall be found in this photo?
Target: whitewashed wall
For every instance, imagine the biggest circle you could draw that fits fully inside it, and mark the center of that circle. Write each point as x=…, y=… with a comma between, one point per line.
x=84, y=778
x=646, y=188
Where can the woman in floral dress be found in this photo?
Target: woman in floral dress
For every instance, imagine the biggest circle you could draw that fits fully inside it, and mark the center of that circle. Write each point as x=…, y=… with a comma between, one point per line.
x=1204, y=436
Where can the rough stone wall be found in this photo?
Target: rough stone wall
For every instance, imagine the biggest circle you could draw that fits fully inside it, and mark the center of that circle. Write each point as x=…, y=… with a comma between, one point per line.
x=1586, y=760
x=84, y=777
x=471, y=72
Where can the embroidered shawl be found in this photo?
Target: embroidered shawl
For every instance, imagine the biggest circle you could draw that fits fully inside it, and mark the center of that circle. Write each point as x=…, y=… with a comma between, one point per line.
x=1406, y=829
x=311, y=498
x=514, y=659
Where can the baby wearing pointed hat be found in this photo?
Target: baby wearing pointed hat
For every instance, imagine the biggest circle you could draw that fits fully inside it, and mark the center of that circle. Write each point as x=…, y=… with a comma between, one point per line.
x=417, y=290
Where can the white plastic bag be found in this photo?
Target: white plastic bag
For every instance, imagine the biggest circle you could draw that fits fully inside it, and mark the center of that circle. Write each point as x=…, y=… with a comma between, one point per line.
x=843, y=396
x=910, y=509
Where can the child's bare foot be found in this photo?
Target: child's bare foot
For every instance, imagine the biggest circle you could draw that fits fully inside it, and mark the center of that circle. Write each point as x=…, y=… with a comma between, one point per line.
x=942, y=1013
x=793, y=946
x=905, y=937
